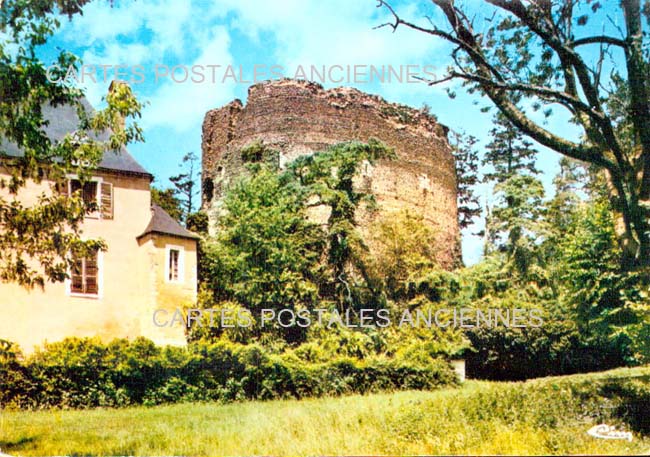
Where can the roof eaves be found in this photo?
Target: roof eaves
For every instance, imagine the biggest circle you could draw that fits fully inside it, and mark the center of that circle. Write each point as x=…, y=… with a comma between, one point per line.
x=190, y=236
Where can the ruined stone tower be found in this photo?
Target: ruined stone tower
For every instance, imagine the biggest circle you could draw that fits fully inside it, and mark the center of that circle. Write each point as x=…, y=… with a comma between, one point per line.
x=300, y=117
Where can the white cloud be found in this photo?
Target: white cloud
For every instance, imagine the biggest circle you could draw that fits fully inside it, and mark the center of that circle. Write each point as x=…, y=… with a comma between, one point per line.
x=333, y=32
x=158, y=25
x=181, y=105
x=101, y=21
x=151, y=33
x=339, y=32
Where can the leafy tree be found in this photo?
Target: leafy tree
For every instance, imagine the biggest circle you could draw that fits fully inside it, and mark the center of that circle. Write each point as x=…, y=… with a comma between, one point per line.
x=185, y=184
x=603, y=298
x=197, y=222
x=266, y=253
x=542, y=55
x=560, y=215
x=405, y=257
x=167, y=200
x=38, y=239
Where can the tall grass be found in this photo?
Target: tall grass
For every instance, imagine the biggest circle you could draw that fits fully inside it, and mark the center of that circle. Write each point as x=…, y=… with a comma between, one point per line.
x=547, y=416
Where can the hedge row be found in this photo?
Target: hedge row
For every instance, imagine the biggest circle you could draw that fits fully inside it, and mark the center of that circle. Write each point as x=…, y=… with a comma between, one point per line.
x=557, y=348
x=81, y=373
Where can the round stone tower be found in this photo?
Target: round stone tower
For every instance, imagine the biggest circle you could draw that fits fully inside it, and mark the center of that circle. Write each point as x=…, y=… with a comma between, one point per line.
x=300, y=117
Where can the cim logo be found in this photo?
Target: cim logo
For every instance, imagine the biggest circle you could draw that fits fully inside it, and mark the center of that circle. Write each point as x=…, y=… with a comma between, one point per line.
x=608, y=432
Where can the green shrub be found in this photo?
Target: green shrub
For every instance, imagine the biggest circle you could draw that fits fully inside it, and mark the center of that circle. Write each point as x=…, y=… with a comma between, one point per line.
x=557, y=348
x=73, y=373
x=82, y=373
x=18, y=387
x=172, y=391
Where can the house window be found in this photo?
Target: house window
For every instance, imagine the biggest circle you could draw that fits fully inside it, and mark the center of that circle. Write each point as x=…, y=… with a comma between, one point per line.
x=174, y=270
x=97, y=196
x=84, y=277
x=174, y=254
x=88, y=192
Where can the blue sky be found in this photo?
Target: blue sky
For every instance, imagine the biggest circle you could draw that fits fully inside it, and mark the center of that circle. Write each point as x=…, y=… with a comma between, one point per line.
x=245, y=33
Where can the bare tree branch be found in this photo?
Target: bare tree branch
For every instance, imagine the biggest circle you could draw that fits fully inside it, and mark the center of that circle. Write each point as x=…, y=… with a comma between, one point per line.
x=599, y=40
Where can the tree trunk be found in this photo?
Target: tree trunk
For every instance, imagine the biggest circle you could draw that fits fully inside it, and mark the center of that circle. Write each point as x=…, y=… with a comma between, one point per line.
x=639, y=91
x=631, y=227
x=641, y=226
x=639, y=220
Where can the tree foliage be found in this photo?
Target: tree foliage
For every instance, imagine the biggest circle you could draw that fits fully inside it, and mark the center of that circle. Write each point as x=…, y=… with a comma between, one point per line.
x=405, y=250
x=167, y=200
x=513, y=225
x=266, y=253
x=567, y=263
x=516, y=222
x=508, y=153
x=606, y=301
x=467, y=177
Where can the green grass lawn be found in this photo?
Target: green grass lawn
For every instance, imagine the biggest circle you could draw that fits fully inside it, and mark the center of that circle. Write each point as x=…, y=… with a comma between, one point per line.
x=536, y=417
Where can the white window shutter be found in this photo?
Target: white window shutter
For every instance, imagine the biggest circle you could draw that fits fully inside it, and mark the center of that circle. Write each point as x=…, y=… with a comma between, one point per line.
x=106, y=200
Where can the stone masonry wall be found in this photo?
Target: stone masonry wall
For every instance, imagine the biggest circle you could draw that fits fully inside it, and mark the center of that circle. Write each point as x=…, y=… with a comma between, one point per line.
x=300, y=117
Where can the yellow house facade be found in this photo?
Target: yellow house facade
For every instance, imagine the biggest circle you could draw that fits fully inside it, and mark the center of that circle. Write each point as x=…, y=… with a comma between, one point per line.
x=150, y=264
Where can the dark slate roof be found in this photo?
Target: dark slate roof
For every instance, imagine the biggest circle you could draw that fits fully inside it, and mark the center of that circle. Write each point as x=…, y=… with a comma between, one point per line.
x=63, y=119
x=163, y=223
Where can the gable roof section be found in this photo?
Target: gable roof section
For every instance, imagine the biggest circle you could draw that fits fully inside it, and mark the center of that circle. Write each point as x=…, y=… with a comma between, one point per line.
x=162, y=223
x=63, y=119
